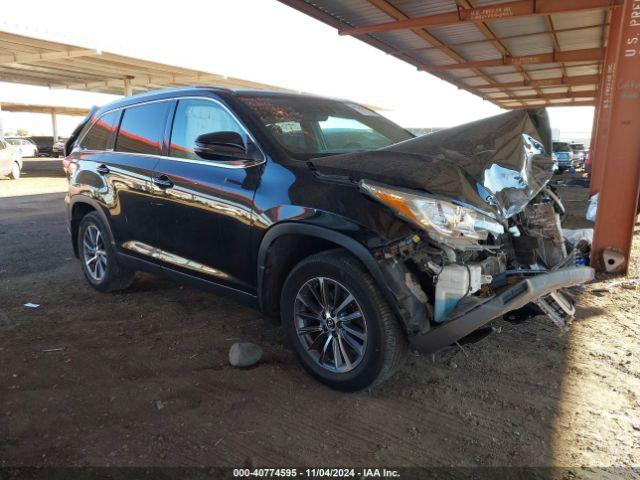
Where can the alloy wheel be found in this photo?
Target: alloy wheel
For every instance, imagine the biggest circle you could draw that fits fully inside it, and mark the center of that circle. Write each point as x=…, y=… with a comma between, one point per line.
x=330, y=324
x=94, y=253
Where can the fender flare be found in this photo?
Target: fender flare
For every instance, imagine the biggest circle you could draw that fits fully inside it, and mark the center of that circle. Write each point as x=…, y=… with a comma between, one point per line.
x=352, y=246
x=97, y=207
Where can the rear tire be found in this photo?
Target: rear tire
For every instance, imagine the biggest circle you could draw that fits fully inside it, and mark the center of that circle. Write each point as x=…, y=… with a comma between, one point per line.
x=350, y=346
x=99, y=263
x=15, y=171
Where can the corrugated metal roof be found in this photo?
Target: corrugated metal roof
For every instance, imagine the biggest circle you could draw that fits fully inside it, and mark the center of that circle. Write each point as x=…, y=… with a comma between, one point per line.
x=488, y=42
x=420, y=8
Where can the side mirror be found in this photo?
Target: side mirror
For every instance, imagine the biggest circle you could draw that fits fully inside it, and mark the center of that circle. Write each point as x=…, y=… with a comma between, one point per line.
x=224, y=146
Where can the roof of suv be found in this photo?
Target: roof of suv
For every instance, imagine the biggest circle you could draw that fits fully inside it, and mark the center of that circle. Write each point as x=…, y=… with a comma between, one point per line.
x=168, y=92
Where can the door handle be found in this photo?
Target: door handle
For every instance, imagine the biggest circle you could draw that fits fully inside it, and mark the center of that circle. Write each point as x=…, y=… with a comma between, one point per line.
x=162, y=181
x=102, y=169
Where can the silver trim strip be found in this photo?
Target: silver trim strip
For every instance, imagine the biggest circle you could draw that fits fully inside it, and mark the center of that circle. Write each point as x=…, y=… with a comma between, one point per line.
x=231, y=164
x=173, y=259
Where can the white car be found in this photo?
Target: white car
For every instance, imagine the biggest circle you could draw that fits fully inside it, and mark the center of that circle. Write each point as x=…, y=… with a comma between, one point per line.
x=10, y=160
x=26, y=146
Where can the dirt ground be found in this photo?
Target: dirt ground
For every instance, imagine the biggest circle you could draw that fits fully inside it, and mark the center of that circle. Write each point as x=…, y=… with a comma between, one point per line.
x=142, y=378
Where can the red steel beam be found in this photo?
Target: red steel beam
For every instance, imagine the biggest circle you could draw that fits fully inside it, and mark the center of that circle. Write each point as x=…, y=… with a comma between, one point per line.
x=548, y=96
x=546, y=82
x=587, y=54
x=518, y=9
x=618, y=196
x=552, y=103
x=602, y=118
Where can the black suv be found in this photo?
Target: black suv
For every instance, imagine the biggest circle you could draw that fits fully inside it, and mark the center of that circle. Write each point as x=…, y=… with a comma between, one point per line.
x=359, y=238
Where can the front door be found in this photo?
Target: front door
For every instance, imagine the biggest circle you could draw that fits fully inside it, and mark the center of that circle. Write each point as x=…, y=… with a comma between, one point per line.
x=204, y=208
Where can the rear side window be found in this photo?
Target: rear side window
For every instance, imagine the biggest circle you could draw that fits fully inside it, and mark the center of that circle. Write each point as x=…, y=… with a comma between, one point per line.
x=142, y=127
x=196, y=117
x=98, y=136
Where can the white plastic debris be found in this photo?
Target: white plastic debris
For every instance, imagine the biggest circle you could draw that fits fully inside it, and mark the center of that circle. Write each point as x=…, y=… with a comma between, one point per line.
x=574, y=236
x=592, y=209
x=31, y=305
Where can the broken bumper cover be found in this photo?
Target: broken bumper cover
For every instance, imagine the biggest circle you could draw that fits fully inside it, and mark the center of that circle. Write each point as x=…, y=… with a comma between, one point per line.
x=512, y=298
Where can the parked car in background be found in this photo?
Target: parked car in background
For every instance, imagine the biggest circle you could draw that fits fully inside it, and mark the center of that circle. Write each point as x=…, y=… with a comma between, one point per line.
x=26, y=146
x=578, y=154
x=10, y=160
x=354, y=235
x=587, y=160
x=45, y=145
x=58, y=148
x=564, y=154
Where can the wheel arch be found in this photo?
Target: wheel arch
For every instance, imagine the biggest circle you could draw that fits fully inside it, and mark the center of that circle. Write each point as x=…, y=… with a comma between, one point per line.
x=321, y=238
x=79, y=207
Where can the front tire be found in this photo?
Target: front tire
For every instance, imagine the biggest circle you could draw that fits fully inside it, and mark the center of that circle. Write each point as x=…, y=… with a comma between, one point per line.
x=99, y=263
x=339, y=324
x=15, y=171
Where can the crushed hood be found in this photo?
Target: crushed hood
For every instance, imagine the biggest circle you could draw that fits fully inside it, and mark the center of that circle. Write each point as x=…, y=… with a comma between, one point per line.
x=495, y=165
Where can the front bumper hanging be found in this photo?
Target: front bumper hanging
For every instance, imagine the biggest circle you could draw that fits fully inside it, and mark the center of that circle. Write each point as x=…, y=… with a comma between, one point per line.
x=514, y=297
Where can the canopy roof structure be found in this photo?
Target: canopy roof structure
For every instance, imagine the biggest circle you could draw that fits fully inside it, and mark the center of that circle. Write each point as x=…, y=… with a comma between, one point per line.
x=515, y=54
x=33, y=61
x=37, y=108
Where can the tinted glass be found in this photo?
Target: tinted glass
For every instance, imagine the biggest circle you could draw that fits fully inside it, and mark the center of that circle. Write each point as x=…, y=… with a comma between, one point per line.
x=196, y=117
x=347, y=134
x=98, y=136
x=141, y=129
x=310, y=126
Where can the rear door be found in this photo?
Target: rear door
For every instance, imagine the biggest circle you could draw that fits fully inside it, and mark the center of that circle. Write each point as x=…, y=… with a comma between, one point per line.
x=129, y=166
x=205, y=206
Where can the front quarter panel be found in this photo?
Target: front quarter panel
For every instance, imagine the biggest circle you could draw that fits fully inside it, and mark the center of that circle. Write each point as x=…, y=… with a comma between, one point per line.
x=296, y=193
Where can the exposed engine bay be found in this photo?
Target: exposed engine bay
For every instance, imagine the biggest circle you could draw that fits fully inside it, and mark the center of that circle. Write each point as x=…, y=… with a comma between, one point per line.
x=486, y=222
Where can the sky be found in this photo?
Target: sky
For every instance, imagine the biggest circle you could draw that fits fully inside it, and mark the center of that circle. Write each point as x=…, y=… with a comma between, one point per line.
x=259, y=40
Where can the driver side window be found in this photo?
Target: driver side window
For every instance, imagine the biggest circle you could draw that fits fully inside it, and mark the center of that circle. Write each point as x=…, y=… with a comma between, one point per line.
x=196, y=117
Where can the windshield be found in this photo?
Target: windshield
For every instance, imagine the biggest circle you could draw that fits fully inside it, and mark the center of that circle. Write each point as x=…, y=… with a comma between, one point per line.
x=13, y=141
x=309, y=127
x=577, y=146
x=561, y=147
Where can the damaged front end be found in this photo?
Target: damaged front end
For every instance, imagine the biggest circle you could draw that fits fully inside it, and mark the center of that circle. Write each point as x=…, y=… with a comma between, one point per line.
x=487, y=229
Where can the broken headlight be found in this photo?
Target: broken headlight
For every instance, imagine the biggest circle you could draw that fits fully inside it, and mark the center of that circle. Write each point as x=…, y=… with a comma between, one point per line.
x=443, y=218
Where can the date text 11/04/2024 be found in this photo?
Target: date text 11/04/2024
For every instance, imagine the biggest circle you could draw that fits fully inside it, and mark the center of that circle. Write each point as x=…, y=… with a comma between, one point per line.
x=316, y=473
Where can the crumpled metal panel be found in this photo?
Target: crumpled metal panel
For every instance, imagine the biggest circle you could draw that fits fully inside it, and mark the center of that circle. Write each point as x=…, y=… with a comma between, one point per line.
x=495, y=165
